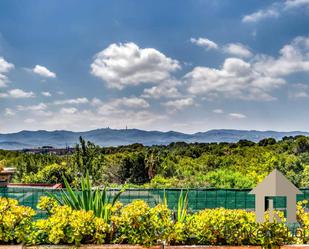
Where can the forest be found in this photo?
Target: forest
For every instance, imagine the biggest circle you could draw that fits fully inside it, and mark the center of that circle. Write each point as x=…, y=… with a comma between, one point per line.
x=218, y=165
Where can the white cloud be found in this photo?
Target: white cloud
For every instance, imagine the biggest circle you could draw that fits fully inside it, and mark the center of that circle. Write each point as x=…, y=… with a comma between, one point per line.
x=159, y=91
x=237, y=49
x=298, y=91
x=132, y=102
x=46, y=94
x=91, y=119
x=274, y=10
x=261, y=14
x=179, y=104
x=70, y=110
x=166, y=89
x=76, y=101
x=96, y=102
x=120, y=105
x=121, y=65
x=29, y=120
x=204, y=42
x=236, y=79
x=17, y=94
x=43, y=71
x=296, y=3
x=9, y=112
x=119, y=112
x=236, y=115
x=294, y=57
x=5, y=67
x=218, y=111
x=38, y=107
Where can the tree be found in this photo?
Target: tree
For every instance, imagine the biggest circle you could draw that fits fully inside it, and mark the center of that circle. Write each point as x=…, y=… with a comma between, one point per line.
x=245, y=142
x=267, y=141
x=88, y=158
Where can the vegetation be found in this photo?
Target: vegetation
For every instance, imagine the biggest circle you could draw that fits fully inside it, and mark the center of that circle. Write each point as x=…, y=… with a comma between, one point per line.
x=137, y=223
x=68, y=226
x=87, y=199
x=221, y=165
x=15, y=221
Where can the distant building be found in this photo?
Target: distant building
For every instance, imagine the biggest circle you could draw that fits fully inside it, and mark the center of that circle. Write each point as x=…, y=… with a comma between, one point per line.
x=49, y=150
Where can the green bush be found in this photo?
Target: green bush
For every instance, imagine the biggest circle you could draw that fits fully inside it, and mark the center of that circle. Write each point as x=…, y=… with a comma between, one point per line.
x=137, y=223
x=303, y=219
x=68, y=226
x=220, y=227
x=15, y=221
x=234, y=227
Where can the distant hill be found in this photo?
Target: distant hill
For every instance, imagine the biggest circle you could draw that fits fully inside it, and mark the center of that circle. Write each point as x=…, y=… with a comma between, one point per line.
x=112, y=137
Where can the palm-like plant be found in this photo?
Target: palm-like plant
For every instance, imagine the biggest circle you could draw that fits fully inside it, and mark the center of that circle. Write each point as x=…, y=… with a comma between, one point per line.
x=182, y=208
x=87, y=198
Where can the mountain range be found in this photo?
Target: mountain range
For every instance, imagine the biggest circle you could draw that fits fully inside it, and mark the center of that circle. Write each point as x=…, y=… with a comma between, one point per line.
x=113, y=137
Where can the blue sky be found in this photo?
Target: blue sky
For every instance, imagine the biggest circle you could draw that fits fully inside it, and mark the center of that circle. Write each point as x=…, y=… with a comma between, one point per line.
x=156, y=65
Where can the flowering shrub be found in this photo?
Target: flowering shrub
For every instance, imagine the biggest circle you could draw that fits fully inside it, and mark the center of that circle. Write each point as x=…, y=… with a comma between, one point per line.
x=303, y=219
x=68, y=226
x=137, y=223
x=47, y=204
x=15, y=221
x=221, y=227
x=236, y=227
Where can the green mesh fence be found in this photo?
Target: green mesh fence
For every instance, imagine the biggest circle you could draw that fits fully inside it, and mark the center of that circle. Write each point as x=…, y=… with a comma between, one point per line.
x=197, y=198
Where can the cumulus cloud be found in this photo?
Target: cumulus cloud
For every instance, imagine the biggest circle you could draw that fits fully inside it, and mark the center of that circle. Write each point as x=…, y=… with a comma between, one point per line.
x=17, y=94
x=76, y=101
x=204, y=42
x=235, y=79
x=294, y=57
x=5, y=67
x=237, y=49
x=179, y=104
x=236, y=115
x=121, y=65
x=252, y=80
x=43, y=71
x=46, y=94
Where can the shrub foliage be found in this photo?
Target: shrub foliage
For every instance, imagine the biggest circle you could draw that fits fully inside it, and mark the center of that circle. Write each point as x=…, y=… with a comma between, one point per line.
x=138, y=223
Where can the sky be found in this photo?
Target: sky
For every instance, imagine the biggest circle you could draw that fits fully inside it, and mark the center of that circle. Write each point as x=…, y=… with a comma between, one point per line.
x=178, y=65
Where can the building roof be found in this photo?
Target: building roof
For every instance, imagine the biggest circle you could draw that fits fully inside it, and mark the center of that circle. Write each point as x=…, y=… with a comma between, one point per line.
x=275, y=184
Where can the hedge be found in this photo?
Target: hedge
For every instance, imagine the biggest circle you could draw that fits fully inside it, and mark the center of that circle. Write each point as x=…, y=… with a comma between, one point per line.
x=138, y=223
